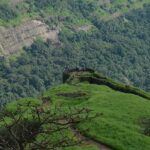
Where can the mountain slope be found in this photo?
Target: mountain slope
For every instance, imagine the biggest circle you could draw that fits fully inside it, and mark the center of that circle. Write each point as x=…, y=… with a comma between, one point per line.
x=120, y=125
x=118, y=47
x=104, y=9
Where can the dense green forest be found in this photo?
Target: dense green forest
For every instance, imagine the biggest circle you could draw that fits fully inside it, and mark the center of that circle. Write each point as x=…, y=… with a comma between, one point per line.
x=119, y=48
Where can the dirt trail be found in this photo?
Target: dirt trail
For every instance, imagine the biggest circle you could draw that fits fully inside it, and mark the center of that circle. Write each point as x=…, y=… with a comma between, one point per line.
x=90, y=141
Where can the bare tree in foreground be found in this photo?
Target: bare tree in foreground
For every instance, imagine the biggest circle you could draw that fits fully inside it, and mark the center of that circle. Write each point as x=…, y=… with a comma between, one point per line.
x=40, y=128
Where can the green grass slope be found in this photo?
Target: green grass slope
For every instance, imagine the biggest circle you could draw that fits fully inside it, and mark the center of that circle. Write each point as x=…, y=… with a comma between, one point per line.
x=120, y=124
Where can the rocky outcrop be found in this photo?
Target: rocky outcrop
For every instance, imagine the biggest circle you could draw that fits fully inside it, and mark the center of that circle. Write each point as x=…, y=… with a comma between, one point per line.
x=13, y=39
x=79, y=75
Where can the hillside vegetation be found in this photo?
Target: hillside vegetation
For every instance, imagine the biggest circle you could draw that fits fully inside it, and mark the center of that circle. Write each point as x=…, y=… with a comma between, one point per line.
x=90, y=37
x=120, y=125
x=13, y=11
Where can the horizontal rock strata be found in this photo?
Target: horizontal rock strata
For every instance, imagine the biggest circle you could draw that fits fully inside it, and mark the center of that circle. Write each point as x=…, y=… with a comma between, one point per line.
x=13, y=39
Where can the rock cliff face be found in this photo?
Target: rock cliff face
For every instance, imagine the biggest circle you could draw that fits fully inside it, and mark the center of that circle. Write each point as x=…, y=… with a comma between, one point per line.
x=13, y=39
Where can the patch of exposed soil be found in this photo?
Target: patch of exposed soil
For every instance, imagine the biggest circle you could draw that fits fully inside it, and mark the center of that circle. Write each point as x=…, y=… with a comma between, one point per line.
x=72, y=95
x=88, y=141
x=84, y=28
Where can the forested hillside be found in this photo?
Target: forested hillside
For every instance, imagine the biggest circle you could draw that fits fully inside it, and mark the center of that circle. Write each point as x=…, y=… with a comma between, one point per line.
x=112, y=37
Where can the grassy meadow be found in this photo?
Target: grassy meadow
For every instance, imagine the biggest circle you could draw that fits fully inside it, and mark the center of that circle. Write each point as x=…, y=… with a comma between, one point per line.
x=120, y=125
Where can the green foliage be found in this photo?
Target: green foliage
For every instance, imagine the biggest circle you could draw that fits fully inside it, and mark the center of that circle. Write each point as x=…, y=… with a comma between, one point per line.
x=34, y=124
x=106, y=10
x=7, y=13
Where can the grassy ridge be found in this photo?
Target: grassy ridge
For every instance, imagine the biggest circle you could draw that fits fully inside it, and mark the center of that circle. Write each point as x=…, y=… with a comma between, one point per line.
x=95, y=78
x=120, y=124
